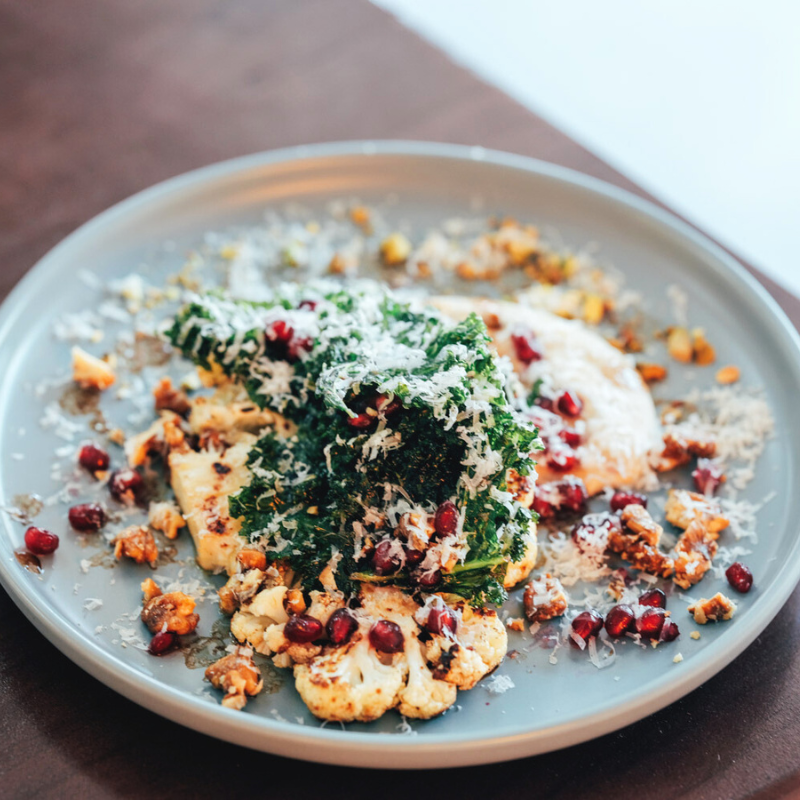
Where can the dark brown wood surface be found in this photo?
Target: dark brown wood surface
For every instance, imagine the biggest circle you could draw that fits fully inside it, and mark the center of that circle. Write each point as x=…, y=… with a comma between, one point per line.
x=99, y=99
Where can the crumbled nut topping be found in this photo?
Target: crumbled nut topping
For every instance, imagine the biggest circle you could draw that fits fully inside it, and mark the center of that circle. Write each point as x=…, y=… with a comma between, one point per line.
x=637, y=520
x=728, y=375
x=168, y=612
x=715, y=609
x=544, y=599
x=238, y=676
x=694, y=551
x=168, y=398
x=136, y=543
x=650, y=372
x=167, y=518
x=683, y=507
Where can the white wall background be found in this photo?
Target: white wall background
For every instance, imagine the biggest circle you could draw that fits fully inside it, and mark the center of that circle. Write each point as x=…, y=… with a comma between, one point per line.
x=698, y=101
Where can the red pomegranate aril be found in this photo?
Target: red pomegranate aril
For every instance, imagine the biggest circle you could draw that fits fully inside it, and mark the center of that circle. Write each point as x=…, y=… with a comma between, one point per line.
x=621, y=499
x=526, y=347
x=563, y=460
x=707, y=476
x=310, y=305
x=386, y=637
x=87, y=517
x=442, y=619
x=413, y=557
x=654, y=598
x=569, y=404
x=385, y=559
x=341, y=626
x=161, y=642
x=669, y=632
x=126, y=485
x=740, y=577
x=386, y=406
x=570, y=436
x=573, y=495
x=650, y=622
x=93, y=459
x=361, y=421
x=544, y=508
x=426, y=578
x=40, y=542
x=445, y=521
x=587, y=623
x=280, y=331
x=302, y=629
x=620, y=620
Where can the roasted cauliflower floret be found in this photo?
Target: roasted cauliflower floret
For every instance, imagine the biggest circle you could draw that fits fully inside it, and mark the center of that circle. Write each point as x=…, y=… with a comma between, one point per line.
x=238, y=676
x=424, y=695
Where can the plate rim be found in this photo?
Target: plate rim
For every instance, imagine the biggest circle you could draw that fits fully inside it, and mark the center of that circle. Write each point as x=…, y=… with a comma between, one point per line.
x=361, y=748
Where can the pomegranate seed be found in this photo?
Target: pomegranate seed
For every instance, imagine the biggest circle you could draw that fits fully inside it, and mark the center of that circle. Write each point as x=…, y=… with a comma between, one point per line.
x=621, y=499
x=298, y=346
x=654, y=598
x=385, y=559
x=280, y=331
x=573, y=495
x=543, y=508
x=40, y=541
x=707, y=476
x=587, y=623
x=361, y=421
x=309, y=304
x=442, y=619
x=302, y=629
x=650, y=623
x=740, y=577
x=87, y=517
x=413, y=557
x=386, y=406
x=93, y=459
x=126, y=485
x=570, y=436
x=386, y=637
x=669, y=632
x=161, y=642
x=620, y=620
x=426, y=578
x=445, y=522
x=563, y=460
x=341, y=626
x=526, y=347
x=569, y=404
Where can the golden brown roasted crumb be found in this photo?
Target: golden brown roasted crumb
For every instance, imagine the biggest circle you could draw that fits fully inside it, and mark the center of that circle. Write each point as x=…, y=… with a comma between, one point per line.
x=136, y=543
x=544, y=599
x=640, y=554
x=117, y=435
x=627, y=340
x=702, y=351
x=694, y=635
x=715, y=609
x=694, y=552
x=679, y=345
x=294, y=602
x=650, y=372
x=238, y=676
x=728, y=375
x=594, y=309
x=683, y=507
x=360, y=215
x=167, y=518
x=91, y=372
x=516, y=624
x=395, y=250
x=492, y=321
x=168, y=398
x=150, y=589
x=251, y=559
x=337, y=265
x=637, y=519
x=169, y=612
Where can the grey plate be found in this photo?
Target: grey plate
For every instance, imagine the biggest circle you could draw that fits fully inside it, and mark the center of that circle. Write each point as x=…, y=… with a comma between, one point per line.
x=552, y=706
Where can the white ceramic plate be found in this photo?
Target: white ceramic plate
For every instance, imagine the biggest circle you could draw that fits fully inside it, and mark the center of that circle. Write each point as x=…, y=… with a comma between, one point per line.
x=551, y=706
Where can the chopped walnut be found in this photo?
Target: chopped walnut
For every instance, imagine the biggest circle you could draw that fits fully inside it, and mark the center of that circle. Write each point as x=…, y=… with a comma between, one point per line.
x=640, y=554
x=627, y=340
x=694, y=551
x=360, y=215
x=395, y=250
x=168, y=612
x=683, y=507
x=715, y=609
x=637, y=519
x=684, y=439
x=594, y=309
x=702, y=351
x=91, y=372
x=238, y=676
x=167, y=518
x=136, y=543
x=728, y=375
x=650, y=372
x=544, y=599
x=516, y=624
x=294, y=602
x=251, y=559
x=150, y=589
x=168, y=398
x=492, y=321
x=679, y=345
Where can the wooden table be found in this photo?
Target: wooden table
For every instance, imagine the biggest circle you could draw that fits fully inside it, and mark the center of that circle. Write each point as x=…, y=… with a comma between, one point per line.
x=99, y=99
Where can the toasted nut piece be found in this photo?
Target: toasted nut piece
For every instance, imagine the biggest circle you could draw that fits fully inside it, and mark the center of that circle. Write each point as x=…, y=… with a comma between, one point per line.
x=337, y=265
x=516, y=624
x=683, y=507
x=170, y=612
x=251, y=559
x=627, y=340
x=544, y=599
x=294, y=602
x=637, y=520
x=168, y=398
x=650, y=372
x=395, y=250
x=238, y=676
x=640, y=554
x=696, y=548
x=167, y=518
x=715, y=609
x=679, y=345
x=117, y=435
x=616, y=586
x=150, y=589
x=702, y=352
x=727, y=375
x=91, y=372
x=136, y=543
x=492, y=322
x=594, y=309
x=360, y=215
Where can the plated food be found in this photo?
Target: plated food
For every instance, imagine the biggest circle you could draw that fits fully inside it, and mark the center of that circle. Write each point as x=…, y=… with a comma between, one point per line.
x=406, y=462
